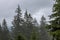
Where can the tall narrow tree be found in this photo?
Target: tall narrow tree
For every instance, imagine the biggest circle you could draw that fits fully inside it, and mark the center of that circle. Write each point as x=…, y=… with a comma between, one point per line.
x=43, y=31
x=17, y=22
x=0, y=32
x=34, y=34
x=55, y=23
x=5, y=31
x=35, y=22
x=28, y=23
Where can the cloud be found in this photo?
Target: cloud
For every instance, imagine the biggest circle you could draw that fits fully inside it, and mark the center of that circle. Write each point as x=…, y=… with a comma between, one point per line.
x=45, y=11
x=35, y=7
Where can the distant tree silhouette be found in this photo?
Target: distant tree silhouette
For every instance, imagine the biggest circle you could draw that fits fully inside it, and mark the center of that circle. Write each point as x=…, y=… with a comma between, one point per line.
x=0, y=32
x=34, y=34
x=43, y=31
x=28, y=24
x=17, y=22
x=5, y=34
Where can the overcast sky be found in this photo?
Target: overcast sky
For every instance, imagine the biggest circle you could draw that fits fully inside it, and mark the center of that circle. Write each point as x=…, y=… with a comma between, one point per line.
x=36, y=7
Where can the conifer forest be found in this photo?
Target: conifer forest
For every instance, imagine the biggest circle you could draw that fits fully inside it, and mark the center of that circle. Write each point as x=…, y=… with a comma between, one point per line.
x=30, y=24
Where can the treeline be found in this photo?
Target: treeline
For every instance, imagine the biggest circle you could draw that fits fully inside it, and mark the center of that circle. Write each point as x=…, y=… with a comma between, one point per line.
x=27, y=28
x=24, y=28
x=54, y=26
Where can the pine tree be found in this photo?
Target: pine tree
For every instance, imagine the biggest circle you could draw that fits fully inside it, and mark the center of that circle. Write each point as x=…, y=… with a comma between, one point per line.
x=55, y=23
x=28, y=24
x=26, y=16
x=34, y=34
x=35, y=22
x=17, y=22
x=5, y=34
x=43, y=31
x=0, y=32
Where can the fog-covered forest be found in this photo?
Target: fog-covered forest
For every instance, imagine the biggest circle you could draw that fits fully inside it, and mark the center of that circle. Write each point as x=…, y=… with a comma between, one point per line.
x=26, y=27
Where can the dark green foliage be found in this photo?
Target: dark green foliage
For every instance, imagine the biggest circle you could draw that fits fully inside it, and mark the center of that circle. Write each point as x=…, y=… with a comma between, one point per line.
x=0, y=32
x=5, y=31
x=34, y=35
x=43, y=31
x=17, y=23
x=23, y=25
x=20, y=37
x=28, y=24
x=27, y=28
x=55, y=24
x=26, y=16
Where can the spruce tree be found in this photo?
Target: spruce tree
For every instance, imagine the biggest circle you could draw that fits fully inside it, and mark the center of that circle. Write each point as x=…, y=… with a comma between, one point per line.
x=26, y=16
x=55, y=23
x=43, y=31
x=35, y=22
x=0, y=32
x=17, y=22
x=28, y=24
x=34, y=34
x=5, y=34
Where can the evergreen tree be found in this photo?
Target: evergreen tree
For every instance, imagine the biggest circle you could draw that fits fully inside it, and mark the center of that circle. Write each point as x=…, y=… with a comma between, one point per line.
x=0, y=32
x=5, y=33
x=26, y=16
x=34, y=34
x=28, y=24
x=37, y=28
x=35, y=22
x=17, y=22
x=20, y=37
x=55, y=23
x=43, y=31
